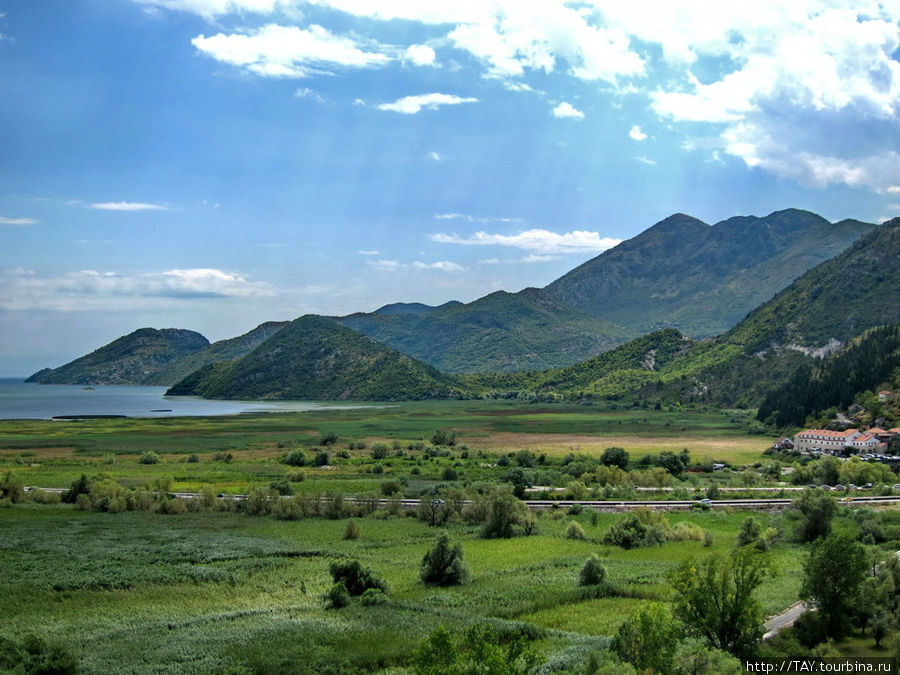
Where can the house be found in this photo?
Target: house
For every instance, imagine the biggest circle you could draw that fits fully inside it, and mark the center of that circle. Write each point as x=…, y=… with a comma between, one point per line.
x=825, y=440
x=783, y=444
x=885, y=395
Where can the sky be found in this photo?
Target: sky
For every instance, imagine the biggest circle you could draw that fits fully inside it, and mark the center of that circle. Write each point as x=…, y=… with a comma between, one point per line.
x=213, y=164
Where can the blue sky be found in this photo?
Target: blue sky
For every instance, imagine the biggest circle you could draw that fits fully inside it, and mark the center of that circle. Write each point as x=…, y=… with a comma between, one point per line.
x=212, y=164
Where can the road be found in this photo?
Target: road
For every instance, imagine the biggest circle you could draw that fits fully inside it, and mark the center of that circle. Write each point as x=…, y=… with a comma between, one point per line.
x=774, y=624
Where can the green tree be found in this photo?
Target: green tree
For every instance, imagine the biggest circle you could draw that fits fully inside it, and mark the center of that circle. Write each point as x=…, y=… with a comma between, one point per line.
x=833, y=574
x=714, y=598
x=615, y=457
x=648, y=638
x=356, y=578
x=750, y=531
x=593, y=572
x=817, y=509
x=638, y=528
x=503, y=513
x=443, y=565
x=694, y=657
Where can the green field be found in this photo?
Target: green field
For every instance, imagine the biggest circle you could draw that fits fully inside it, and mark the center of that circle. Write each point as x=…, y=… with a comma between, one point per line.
x=212, y=589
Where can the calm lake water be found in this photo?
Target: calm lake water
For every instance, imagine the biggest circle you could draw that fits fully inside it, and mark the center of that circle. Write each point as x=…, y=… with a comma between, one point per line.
x=19, y=400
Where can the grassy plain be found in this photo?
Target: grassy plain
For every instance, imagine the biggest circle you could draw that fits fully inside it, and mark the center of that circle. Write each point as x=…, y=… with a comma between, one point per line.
x=208, y=591
x=200, y=592
x=53, y=453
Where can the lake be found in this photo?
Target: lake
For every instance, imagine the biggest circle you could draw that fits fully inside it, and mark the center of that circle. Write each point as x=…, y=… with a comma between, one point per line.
x=20, y=400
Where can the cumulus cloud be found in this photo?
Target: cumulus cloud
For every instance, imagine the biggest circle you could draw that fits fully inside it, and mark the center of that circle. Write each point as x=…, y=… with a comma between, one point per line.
x=636, y=134
x=540, y=241
x=18, y=221
x=128, y=206
x=410, y=105
x=566, y=110
x=288, y=51
x=420, y=55
x=90, y=289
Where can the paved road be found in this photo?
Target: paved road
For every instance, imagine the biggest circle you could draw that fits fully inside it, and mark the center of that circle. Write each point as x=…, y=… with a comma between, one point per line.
x=786, y=619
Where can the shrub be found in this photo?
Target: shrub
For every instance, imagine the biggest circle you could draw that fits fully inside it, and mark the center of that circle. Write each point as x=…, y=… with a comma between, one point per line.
x=288, y=509
x=328, y=438
x=449, y=473
x=11, y=487
x=443, y=437
x=750, y=531
x=685, y=531
x=223, y=457
x=297, y=476
x=149, y=457
x=373, y=596
x=380, y=450
x=390, y=487
x=502, y=513
x=351, y=531
x=192, y=459
x=592, y=573
x=337, y=596
x=282, y=486
x=575, y=531
x=443, y=565
x=356, y=578
x=82, y=486
x=322, y=459
x=295, y=458
x=639, y=528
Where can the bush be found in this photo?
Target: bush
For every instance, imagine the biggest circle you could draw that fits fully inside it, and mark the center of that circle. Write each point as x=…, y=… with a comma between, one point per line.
x=35, y=655
x=149, y=457
x=502, y=513
x=373, y=596
x=82, y=486
x=443, y=565
x=337, y=596
x=328, y=438
x=322, y=459
x=351, y=531
x=443, y=437
x=295, y=458
x=685, y=531
x=575, y=531
x=282, y=486
x=11, y=487
x=639, y=528
x=192, y=459
x=592, y=573
x=449, y=474
x=380, y=450
x=355, y=578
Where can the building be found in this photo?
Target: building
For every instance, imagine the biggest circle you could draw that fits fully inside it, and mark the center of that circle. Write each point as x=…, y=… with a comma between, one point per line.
x=825, y=440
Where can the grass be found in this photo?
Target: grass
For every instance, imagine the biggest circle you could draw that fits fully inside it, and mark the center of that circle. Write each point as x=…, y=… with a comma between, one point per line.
x=200, y=592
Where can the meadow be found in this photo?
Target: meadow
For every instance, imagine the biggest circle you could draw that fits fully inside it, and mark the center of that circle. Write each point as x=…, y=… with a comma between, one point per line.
x=220, y=590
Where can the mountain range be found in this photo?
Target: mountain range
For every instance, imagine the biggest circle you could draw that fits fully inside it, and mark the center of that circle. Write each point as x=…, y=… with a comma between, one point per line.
x=682, y=272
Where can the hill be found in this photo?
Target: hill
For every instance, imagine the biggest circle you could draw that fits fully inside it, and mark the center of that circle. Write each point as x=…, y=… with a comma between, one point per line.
x=315, y=358
x=779, y=341
x=501, y=332
x=699, y=278
x=135, y=358
x=223, y=350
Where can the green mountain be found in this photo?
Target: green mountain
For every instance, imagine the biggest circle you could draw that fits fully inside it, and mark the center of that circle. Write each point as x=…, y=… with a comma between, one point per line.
x=699, y=278
x=135, y=358
x=501, y=332
x=782, y=339
x=223, y=350
x=315, y=358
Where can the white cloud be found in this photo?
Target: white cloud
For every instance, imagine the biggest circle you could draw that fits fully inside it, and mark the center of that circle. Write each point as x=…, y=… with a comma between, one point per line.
x=636, y=134
x=288, y=51
x=22, y=289
x=434, y=156
x=541, y=241
x=18, y=221
x=646, y=160
x=420, y=55
x=212, y=8
x=306, y=92
x=472, y=219
x=372, y=252
x=410, y=105
x=128, y=206
x=566, y=110
x=395, y=265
